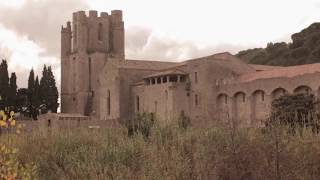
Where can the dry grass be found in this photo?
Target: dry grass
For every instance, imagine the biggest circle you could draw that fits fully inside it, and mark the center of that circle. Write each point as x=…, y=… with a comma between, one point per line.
x=170, y=153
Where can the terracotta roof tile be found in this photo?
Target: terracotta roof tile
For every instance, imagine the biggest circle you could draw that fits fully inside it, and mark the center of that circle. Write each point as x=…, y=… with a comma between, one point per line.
x=288, y=72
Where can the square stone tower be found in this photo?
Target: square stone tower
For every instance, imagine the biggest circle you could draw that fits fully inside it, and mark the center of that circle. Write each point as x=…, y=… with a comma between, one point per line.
x=86, y=44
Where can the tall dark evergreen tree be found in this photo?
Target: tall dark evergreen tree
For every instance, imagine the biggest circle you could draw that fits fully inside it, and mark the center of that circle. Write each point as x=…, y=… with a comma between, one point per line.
x=48, y=90
x=4, y=84
x=13, y=92
x=31, y=81
x=31, y=105
x=36, y=94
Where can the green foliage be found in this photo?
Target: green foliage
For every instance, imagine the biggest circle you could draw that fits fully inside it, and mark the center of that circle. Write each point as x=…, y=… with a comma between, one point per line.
x=142, y=123
x=184, y=121
x=214, y=152
x=48, y=90
x=304, y=49
x=12, y=168
x=296, y=110
x=12, y=94
x=43, y=95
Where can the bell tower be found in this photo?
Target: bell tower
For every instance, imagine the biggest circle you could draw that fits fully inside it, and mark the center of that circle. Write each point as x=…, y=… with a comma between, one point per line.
x=86, y=44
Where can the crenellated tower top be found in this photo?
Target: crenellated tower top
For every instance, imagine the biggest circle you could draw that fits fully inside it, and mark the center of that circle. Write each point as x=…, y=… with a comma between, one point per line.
x=93, y=33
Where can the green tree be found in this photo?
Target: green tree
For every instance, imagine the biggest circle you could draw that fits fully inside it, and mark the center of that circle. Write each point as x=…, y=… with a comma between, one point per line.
x=12, y=91
x=48, y=90
x=4, y=84
x=31, y=104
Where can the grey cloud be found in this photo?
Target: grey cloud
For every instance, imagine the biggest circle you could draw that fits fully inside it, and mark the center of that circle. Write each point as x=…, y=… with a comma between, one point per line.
x=141, y=43
x=41, y=20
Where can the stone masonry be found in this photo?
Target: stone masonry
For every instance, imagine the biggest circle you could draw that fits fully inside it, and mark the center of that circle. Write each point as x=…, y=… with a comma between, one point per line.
x=97, y=80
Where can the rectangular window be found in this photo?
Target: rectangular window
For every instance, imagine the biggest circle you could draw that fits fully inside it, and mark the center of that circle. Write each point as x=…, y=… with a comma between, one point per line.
x=196, y=77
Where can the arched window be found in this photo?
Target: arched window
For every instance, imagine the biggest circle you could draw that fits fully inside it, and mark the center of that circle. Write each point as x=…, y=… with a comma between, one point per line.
x=108, y=103
x=100, y=32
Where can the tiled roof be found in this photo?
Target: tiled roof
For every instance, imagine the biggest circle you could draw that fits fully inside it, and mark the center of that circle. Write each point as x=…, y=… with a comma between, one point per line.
x=167, y=72
x=288, y=72
x=258, y=67
x=145, y=64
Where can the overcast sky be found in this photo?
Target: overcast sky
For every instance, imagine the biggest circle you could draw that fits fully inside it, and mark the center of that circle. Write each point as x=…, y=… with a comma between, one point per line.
x=170, y=30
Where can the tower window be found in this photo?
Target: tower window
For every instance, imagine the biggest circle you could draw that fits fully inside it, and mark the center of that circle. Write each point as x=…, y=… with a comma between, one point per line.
x=196, y=77
x=262, y=96
x=100, y=28
x=196, y=100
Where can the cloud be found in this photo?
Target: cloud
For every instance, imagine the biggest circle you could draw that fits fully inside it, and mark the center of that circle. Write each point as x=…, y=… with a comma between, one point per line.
x=22, y=55
x=143, y=43
x=30, y=34
x=41, y=20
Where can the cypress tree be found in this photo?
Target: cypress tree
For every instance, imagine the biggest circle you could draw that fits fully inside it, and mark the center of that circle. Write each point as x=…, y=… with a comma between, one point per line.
x=36, y=94
x=4, y=84
x=52, y=97
x=13, y=91
x=31, y=93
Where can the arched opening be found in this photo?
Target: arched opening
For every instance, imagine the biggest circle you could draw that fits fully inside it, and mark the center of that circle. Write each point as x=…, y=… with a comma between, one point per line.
x=100, y=30
x=302, y=90
x=278, y=93
x=109, y=103
x=223, y=107
x=259, y=107
x=241, y=108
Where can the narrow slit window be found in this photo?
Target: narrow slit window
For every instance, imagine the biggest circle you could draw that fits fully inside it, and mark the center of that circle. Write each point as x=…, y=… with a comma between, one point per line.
x=109, y=103
x=196, y=77
x=196, y=99
x=100, y=28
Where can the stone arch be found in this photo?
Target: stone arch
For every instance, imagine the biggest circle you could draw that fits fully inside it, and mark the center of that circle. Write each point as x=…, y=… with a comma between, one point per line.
x=223, y=105
x=278, y=92
x=259, y=107
x=303, y=89
x=241, y=108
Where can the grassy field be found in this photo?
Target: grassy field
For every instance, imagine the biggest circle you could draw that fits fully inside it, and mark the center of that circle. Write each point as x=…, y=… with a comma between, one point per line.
x=169, y=152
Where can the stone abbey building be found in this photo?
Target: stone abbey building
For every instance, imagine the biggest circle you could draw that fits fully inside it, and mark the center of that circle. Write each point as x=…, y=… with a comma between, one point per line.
x=98, y=81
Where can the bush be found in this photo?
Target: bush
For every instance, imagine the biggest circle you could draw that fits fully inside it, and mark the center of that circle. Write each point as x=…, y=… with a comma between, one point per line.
x=296, y=110
x=142, y=123
x=12, y=168
x=184, y=121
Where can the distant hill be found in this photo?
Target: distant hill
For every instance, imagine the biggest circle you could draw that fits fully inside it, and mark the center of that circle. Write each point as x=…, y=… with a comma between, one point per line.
x=304, y=49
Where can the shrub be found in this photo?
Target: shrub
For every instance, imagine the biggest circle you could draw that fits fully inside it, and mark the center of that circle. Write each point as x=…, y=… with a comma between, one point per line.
x=184, y=121
x=142, y=123
x=12, y=168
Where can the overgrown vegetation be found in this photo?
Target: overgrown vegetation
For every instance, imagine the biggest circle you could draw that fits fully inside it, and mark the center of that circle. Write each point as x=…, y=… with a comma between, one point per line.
x=215, y=152
x=295, y=111
x=304, y=49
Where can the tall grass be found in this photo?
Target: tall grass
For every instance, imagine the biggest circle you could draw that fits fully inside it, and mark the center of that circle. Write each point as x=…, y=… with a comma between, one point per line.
x=170, y=152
